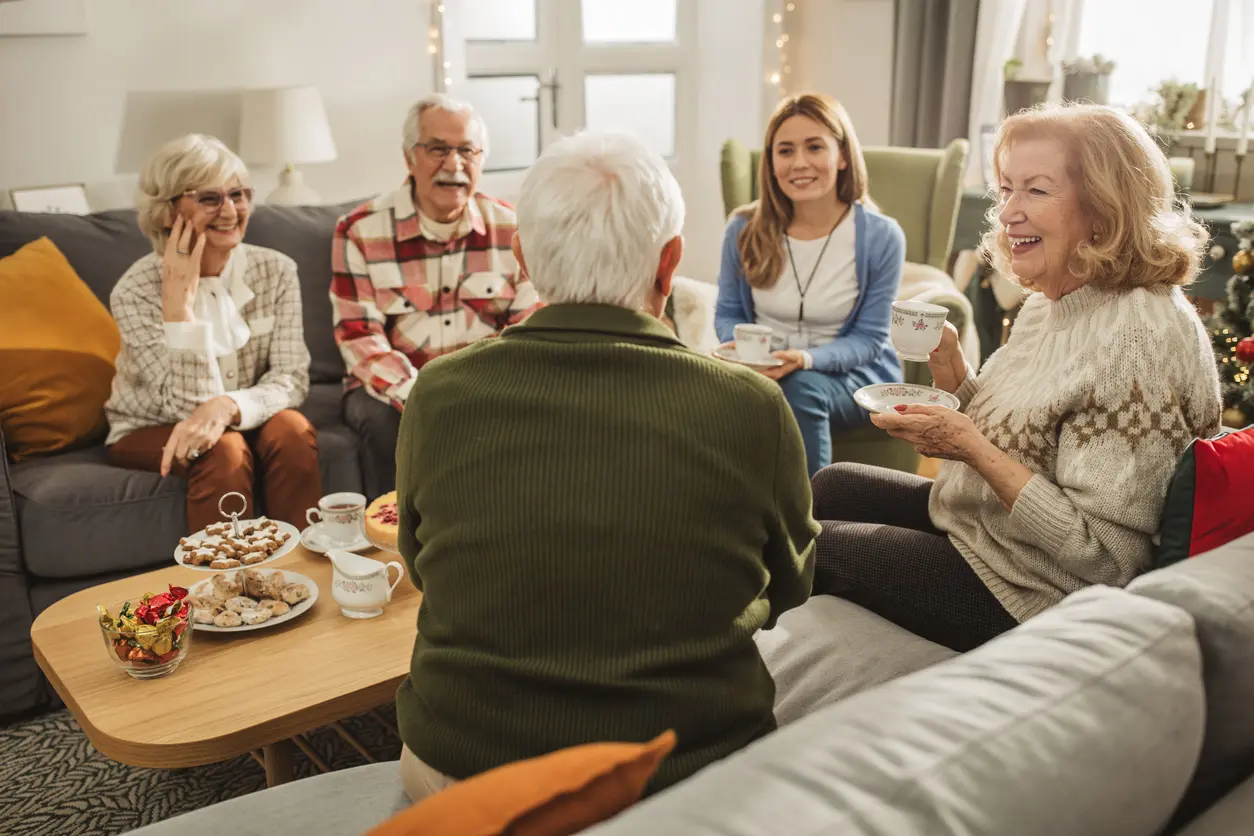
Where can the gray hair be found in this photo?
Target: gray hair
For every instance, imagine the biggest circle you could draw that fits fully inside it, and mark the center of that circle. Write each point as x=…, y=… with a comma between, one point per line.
x=194, y=161
x=440, y=101
x=595, y=212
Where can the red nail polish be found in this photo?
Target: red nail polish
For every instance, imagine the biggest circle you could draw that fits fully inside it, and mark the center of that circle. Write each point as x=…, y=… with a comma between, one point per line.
x=900, y=407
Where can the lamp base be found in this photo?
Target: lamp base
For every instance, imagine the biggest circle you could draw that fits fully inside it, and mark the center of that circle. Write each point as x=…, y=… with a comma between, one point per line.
x=292, y=190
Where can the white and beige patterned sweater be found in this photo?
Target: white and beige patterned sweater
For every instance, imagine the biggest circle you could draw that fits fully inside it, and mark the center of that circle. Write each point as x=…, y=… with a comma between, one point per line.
x=1098, y=394
x=163, y=376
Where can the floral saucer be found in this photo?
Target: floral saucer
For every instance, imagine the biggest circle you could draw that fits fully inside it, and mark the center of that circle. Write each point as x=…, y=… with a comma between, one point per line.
x=882, y=397
x=729, y=354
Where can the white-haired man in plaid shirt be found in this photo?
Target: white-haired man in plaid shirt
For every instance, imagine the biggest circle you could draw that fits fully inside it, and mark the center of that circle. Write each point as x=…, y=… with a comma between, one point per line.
x=420, y=272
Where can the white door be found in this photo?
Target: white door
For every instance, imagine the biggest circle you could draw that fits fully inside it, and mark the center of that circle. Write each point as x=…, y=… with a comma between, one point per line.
x=540, y=69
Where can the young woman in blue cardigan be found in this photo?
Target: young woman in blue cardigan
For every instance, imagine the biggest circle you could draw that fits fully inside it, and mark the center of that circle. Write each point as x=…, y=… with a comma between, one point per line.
x=814, y=262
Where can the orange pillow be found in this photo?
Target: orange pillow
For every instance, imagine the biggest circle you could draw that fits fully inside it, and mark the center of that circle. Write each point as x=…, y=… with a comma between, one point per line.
x=57, y=348
x=557, y=794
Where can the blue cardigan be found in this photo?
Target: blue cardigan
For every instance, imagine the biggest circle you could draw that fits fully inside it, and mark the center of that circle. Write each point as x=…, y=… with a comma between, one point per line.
x=862, y=343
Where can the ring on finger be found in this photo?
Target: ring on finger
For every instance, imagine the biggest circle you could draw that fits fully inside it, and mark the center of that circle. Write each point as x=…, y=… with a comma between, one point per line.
x=193, y=454
x=181, y=252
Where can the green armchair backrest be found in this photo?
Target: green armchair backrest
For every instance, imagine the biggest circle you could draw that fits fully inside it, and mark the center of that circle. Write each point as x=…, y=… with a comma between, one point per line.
x=921, y=188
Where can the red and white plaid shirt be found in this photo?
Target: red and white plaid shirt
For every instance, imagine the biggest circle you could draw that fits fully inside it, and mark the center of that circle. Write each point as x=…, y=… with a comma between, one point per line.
x=405, y=290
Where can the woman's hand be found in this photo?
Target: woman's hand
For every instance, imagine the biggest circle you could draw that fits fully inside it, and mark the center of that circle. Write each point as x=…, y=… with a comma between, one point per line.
x=180, y=272
x=195, y=435
x=948, y=366
x=793, y=360
x=935, y=431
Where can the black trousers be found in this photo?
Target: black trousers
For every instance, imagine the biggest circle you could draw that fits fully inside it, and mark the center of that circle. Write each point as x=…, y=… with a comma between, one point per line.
x=377, y=425
x=879, y=549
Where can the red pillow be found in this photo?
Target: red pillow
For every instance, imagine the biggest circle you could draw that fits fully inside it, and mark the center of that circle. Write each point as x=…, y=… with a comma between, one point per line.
x=1210, y=500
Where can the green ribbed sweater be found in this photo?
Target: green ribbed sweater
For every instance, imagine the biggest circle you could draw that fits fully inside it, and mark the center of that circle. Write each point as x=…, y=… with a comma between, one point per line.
x=599, y=519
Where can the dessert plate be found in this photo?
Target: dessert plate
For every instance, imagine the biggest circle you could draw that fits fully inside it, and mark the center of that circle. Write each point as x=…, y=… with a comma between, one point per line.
x=883, y=397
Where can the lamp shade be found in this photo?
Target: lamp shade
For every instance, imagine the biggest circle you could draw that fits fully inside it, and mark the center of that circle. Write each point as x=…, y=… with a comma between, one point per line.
x=285, y=125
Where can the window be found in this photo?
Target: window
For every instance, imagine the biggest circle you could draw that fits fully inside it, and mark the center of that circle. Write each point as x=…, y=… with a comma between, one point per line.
x=1151, y=41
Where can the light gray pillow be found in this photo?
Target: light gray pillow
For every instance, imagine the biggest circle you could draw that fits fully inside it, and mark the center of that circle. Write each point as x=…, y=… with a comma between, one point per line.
x=1217, y=589
x=829, y=649
x=1085, y=720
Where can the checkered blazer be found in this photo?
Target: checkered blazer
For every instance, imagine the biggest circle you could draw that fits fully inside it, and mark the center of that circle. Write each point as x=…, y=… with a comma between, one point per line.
x=400, y=298
x=160, y=380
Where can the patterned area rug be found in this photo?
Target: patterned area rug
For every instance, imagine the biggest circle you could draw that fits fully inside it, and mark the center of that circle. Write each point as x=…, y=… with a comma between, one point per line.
x=54, y=782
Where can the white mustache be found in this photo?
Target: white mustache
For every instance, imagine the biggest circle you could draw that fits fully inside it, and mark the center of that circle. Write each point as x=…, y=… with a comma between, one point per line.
x=458, y=179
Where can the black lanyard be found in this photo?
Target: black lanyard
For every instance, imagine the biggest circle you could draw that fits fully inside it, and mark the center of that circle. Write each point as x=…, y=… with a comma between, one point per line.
x=802, y=291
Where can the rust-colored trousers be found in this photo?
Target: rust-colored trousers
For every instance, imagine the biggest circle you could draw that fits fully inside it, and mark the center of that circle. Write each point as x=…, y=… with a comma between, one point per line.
x=281, y=456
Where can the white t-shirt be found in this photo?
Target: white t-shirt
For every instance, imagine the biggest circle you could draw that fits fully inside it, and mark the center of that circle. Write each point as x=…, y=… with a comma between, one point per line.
x=829, y=299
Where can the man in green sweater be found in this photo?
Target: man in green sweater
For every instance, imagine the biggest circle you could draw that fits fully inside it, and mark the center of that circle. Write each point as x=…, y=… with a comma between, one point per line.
x=599, y=518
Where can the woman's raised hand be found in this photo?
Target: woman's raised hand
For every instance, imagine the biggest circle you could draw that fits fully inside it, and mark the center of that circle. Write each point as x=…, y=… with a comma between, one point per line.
x=180, y=271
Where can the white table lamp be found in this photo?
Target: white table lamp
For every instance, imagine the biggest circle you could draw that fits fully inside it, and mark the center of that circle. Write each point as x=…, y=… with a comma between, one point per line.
x=286, y=126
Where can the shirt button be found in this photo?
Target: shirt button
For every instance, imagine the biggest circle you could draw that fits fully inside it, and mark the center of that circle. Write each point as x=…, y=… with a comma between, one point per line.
x=230, y=375
x=448, y=322
x=447, y=289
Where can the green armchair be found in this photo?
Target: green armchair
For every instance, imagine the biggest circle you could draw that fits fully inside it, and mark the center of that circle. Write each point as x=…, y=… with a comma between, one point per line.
x=921, y=188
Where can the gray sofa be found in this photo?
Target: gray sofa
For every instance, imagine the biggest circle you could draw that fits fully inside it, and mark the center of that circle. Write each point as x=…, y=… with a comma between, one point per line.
x=70, y=521
x=1117, y=713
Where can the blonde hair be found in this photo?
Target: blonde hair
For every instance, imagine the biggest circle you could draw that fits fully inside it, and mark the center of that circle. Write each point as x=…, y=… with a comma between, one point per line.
x=761, y=241
x=1140, y=237
x=194, y=161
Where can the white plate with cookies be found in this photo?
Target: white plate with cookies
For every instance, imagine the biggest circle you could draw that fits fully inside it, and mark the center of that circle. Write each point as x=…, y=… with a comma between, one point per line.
x=218, y=548
x=249, y=599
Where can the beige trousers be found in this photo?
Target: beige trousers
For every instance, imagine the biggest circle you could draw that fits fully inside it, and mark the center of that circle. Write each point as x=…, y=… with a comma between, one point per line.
x=420, y=780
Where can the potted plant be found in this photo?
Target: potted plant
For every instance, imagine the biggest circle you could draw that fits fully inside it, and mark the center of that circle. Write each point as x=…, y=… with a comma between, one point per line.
x=1020, y=94
x=1087, y=79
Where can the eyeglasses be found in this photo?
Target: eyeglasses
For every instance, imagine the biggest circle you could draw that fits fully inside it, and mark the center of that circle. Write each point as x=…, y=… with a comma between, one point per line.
x=441, y=150
x=212, y=200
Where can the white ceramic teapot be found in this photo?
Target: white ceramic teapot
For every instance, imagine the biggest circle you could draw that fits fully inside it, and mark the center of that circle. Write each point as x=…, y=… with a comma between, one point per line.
x=360, y=585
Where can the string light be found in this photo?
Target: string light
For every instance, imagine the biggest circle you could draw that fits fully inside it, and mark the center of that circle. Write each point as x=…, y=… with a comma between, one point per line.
x=777, y=77
x=440, y=66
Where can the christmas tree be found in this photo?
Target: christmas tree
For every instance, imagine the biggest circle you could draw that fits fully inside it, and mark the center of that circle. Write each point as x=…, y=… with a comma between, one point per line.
x=1232, y=332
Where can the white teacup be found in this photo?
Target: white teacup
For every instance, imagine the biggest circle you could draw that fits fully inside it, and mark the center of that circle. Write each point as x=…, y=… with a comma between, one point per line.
x=341, y=516
x=753, y=342
x=360, y=584
x=916, y=329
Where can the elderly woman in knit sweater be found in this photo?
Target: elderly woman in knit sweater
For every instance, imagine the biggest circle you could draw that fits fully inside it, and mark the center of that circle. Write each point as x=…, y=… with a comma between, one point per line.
x=1059, y=457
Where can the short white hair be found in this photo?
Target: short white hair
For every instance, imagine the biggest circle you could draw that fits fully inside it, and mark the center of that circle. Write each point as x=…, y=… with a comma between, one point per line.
x=194, y=161
x=594, y=214
x=439, y=101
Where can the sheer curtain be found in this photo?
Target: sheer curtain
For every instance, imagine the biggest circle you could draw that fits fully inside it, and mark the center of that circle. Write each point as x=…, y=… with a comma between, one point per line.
x=996, y=32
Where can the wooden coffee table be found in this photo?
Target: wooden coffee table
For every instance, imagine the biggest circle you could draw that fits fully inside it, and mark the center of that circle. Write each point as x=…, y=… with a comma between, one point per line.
x=233, y=694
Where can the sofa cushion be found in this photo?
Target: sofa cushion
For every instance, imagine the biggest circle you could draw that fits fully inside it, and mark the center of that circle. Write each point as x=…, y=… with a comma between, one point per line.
x=57, y=347
x=556, y=794
x=829, y=649
x=1085, y=719
x=347, y=801
x=1232, y=814
x=100, y=247
x=1208, y=500
x=79, y=515
x=1217, y=589
x=303, y=233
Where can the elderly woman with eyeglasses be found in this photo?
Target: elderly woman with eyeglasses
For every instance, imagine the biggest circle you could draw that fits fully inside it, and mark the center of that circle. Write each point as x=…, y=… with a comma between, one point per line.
x=213, y=359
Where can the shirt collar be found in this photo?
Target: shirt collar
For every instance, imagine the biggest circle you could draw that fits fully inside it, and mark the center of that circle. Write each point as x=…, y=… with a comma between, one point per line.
x=409, y=224
x=594, y=322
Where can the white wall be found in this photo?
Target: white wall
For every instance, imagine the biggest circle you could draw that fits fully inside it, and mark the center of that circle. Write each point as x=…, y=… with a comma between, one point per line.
x=729, y=106
x=845, y=48
x=62, y=121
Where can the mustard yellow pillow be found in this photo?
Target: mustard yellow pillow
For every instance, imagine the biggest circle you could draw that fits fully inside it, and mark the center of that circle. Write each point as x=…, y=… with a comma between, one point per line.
x=58, y=344
x=557, y=794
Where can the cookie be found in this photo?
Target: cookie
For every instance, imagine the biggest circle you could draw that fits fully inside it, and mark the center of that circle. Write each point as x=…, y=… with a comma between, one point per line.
x=276, y=608
x=294, y=594
x=240, y=603
x=255, y=616
x=225, y=563
x=205, y=615
x=227, y=618
x=226, y=586
x=253, y=558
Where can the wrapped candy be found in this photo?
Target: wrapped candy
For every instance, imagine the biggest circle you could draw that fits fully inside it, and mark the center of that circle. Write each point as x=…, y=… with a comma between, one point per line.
x=150, y=632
